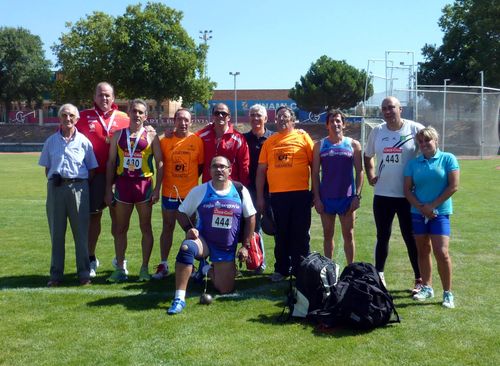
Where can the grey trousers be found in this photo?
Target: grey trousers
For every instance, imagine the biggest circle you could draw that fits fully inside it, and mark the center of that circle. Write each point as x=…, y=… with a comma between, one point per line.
x=68, y=201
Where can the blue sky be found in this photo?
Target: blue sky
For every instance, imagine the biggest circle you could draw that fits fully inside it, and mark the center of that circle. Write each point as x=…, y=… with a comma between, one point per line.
x=270, y=42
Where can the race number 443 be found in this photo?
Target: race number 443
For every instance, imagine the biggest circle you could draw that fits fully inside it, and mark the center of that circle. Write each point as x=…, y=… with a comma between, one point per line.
x=393, y=155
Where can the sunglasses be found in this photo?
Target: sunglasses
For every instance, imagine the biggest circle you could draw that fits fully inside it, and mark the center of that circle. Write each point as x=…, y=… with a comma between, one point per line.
x=220, y=113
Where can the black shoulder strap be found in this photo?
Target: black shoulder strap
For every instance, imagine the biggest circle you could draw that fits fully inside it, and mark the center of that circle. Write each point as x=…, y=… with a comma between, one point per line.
x=239, y=188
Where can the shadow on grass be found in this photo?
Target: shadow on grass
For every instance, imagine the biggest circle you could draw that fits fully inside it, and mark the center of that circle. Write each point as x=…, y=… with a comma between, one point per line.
x=158, y=294
x=35, y=281
x=317, y=329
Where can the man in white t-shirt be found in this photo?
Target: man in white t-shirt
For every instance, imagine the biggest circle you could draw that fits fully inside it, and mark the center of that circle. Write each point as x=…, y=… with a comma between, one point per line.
x=393, y=145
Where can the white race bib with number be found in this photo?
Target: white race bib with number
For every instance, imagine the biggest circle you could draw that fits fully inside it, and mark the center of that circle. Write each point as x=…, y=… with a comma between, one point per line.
x=393, y=156
x=222, y=219
x=135, y=162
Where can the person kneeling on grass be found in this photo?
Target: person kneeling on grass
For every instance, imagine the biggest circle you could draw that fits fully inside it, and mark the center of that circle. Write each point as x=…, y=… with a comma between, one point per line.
x=219, y=211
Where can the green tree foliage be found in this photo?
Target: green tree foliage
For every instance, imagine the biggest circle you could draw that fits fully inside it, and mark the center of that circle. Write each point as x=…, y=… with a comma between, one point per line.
x=85, y=57
x=24, y=71
x=330, y=84
x=144, y=53
x=470, y=44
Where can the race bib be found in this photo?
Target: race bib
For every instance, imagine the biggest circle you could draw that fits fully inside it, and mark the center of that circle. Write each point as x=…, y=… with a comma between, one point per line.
x=132, y=163
x=222, y=219
x=393, y=156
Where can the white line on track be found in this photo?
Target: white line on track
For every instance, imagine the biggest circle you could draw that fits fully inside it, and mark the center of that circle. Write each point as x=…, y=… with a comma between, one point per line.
x=260, y=292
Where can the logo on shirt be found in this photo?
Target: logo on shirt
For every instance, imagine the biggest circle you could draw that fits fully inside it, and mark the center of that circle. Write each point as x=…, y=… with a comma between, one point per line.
x=180, y=167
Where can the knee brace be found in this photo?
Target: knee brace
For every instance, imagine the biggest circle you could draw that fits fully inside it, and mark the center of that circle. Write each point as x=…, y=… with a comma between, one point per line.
x=187, y=252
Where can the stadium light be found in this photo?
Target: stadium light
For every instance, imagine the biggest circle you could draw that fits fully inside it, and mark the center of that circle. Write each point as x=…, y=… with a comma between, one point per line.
x=205, y=36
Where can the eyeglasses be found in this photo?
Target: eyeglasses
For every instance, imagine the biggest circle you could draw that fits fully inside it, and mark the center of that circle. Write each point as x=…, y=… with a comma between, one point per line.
x=221, y=114
x=284, y=117
x=219, y=167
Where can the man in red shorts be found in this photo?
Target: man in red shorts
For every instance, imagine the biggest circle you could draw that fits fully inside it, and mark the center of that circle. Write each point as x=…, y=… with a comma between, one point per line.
x=130, y=168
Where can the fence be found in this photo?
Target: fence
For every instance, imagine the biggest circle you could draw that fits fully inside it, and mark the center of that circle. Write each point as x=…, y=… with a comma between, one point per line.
x=466, y=117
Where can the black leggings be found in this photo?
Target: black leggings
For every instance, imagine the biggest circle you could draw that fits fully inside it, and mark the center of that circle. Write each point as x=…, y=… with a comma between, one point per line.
x=384, y=209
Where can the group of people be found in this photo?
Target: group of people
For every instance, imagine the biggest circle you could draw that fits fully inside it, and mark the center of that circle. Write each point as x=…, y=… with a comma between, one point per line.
x=105, y=158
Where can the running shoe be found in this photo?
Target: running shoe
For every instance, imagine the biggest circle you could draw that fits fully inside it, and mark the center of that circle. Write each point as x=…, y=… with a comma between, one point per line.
x=177, y=306
x=277, y=277
x=426, y=292
x=144, y=275
x=418, y=286
x=448, y=300
x=93, y=268
x=117, y=276
x=161, y=271
x=115, y=265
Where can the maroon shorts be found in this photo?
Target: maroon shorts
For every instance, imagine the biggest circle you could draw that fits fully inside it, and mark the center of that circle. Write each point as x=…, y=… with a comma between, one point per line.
x=133, y=190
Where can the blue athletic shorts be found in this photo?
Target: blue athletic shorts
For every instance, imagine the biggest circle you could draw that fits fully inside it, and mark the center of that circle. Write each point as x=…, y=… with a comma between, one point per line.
x=218, y=255
x=168, y=203
x=440, y=225
x=337, y=206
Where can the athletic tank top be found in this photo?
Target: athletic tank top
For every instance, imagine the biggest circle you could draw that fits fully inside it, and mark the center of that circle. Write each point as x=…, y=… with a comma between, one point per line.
x=219, y=218
x=337, y=161
x=140, y=164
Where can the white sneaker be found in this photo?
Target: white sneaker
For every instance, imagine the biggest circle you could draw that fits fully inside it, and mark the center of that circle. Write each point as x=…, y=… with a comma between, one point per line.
x=93, y=268
x=382, y=278
x=115, y=265
x=448, y=300
x=161, y=271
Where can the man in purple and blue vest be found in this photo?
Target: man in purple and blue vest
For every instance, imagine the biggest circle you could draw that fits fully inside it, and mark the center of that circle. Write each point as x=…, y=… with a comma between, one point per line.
x=219, y=209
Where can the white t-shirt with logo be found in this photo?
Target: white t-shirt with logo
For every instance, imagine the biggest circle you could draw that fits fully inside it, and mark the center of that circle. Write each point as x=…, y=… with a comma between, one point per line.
x=393, y=149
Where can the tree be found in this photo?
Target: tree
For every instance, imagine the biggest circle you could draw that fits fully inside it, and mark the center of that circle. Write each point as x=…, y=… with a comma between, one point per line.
x=144, y=53
x=85, y=57
x=330, y=84
x=24, y=71
x=470, y=44
x=157, y=58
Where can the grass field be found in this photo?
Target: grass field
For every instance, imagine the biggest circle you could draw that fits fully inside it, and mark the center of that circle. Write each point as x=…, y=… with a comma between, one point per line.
x=126, y=324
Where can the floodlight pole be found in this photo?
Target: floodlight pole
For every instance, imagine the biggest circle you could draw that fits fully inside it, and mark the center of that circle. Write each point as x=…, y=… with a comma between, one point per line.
x=411, y=69
x=205, y=36
x=234, y=74
x=416, y=92
x=444, y=113
x=482, y=113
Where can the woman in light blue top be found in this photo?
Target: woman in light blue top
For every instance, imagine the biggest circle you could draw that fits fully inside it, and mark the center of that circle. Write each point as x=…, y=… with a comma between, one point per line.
x=430, y=181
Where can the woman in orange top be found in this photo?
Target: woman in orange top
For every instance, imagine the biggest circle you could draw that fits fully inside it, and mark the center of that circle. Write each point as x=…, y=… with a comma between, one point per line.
x=285, y=160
